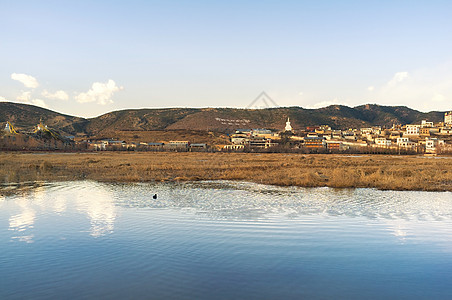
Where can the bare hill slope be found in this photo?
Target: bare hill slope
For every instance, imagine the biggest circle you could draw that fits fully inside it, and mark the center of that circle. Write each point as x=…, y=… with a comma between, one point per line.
x=26, y=116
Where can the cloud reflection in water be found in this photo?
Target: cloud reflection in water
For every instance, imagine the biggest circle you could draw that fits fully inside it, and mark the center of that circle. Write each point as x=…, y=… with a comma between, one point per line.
x=405, y=214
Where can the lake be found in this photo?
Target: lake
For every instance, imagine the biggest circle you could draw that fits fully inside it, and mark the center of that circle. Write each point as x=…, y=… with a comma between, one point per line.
x=223, y=240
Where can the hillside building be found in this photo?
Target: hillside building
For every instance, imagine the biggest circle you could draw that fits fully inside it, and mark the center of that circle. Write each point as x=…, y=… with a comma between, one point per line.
x=424, y=124
x=445, y=131
x=448, y=118
x=179, y=144
x=401, y=140
x=412, y=129
x=382, y=142
x=314, y=142
x=432, y=145
x=424, y=131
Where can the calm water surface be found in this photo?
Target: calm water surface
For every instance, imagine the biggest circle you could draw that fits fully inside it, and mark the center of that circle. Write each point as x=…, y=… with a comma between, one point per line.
x=224, y=240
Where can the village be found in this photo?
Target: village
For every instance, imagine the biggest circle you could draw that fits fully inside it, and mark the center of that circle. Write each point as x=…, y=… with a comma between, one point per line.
x=424, y=138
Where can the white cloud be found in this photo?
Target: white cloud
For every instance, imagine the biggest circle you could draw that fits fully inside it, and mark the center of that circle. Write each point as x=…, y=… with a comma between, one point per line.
x=2, y=98
x=327, y=103
x=58, y=95
x=25, y=97
x=100, y=93
x=39, y=102
x=397, y=78
x=426, y=89
x=27, y=80
x=371, y=88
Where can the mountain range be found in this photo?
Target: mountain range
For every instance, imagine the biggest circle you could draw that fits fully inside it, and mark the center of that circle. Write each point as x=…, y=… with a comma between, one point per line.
x=25, y=117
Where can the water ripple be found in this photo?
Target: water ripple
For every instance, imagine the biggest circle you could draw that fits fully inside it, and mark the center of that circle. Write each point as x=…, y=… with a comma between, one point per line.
x=204, y=240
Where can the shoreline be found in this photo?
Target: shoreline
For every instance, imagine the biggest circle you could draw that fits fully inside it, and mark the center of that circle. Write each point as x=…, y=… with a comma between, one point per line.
x=384, y=172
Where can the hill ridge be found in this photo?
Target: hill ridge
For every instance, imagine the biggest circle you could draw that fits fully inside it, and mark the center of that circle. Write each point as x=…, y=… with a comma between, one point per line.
x=219, y=119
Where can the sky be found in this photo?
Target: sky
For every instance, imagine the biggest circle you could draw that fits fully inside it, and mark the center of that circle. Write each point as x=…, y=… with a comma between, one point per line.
x=86, y=58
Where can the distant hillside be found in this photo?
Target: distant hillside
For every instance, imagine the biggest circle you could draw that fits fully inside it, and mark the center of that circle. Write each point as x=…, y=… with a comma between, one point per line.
x=25, y=117
x=137, y=119
x=214, y=119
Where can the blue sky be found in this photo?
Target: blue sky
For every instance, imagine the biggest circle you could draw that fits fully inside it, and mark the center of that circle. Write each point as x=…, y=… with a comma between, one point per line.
x=89, y=57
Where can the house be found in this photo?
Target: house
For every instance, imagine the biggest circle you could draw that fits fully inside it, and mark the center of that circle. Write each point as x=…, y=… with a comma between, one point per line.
x=402, y=140
x=335, y=145
x=312, y=128
x=412, y=130
x=376, y=130
x=366, y=130
x=265, y=133
x=405, y=142
x=153, y=146
x=336, y=134
x=432, y=145
x=349, y=135
x=354, y=144
x=448, y=118
x=117, y=144
x=312, y=134
x=323, y=129
x=198, y=146
x=382, y=142
x=261, y=142
x=239, y=138
x=394, y=134
x=234, y=147
x=424, y=124
x=314, y=142
x=445, y=131
x=244, y=131
x=424, y=131
x=97, y=146
x=179, y=144
x=369, y=137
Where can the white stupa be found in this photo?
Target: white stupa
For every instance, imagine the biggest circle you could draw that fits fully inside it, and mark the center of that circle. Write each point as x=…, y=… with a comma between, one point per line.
x=288, y=127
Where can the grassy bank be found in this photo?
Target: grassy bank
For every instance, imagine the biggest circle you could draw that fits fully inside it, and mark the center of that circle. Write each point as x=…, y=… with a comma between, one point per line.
x=375, y=171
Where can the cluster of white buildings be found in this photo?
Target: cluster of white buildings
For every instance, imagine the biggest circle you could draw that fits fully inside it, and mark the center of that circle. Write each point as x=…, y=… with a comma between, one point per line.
x=425, y=137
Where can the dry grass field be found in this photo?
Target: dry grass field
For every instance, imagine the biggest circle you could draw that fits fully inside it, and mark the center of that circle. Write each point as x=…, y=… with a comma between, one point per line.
x=341, y=171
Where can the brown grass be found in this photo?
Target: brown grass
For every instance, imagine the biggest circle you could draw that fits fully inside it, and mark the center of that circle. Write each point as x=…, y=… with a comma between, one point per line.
x=372, y=171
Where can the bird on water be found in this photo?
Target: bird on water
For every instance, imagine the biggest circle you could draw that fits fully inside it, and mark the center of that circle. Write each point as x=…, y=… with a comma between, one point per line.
x=155, y=196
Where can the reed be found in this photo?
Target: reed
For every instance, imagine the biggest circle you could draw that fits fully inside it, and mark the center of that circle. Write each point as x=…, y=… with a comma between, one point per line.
x=285, y=169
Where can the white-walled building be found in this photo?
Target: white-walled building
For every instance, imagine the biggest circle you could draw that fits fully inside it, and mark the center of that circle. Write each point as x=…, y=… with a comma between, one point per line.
x=402, y=140
x=412, y=129
x=424, y=123
x=445, y=130
x=365, y=131
x=448, y=118
x=382, y=142
x=432, y=144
